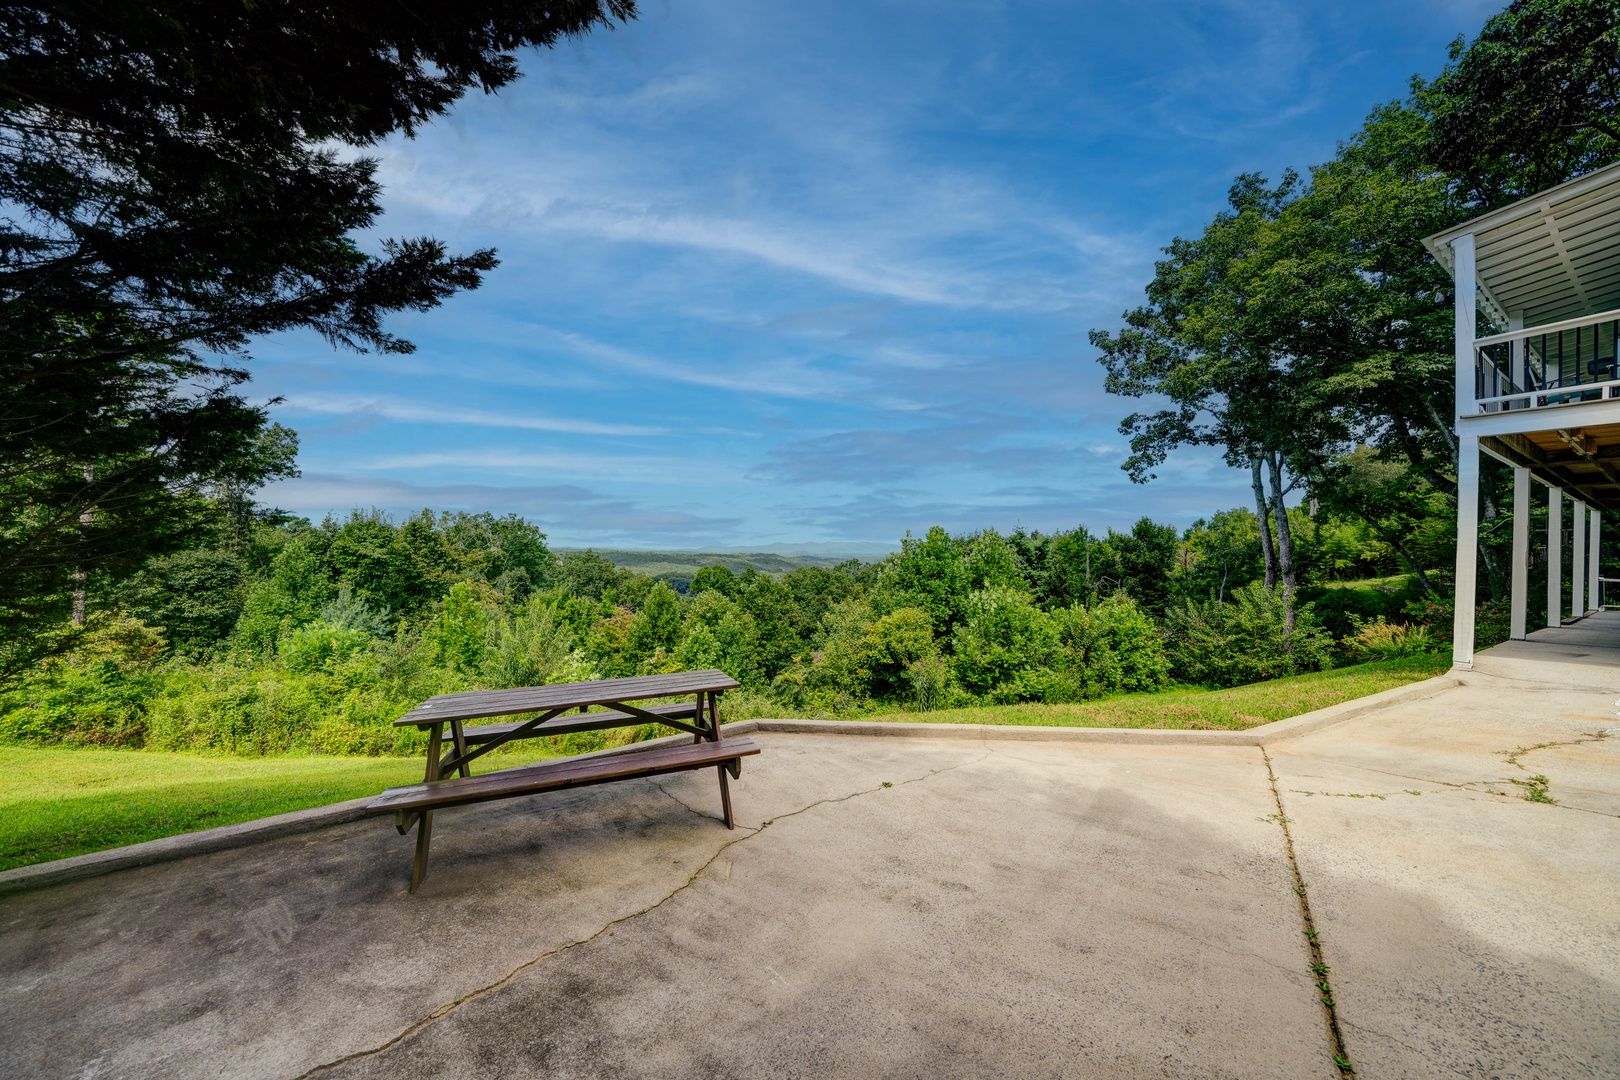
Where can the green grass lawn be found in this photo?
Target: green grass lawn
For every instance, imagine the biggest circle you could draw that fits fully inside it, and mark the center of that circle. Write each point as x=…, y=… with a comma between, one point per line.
x=1231, y=710
x=60, y=802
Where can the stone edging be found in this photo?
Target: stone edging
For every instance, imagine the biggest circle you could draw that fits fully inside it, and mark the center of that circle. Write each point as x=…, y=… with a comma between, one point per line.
x=1292, y=727
x=226, y=837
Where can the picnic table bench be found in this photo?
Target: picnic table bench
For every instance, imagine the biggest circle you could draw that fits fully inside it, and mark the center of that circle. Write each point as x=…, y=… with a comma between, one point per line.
x=449, y=780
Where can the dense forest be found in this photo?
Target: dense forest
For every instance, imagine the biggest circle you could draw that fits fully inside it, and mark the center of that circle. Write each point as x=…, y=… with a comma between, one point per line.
x=279, y=636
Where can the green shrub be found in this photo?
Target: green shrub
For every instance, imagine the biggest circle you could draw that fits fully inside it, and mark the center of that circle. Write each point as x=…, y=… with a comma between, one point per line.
x=1383, y=640
x=457, y=636
x=1135, y=642
x=839, y=664
x=893, y=645
x=531, y=648
x=93, y=696
x=931, y=683
x=719, y=634
x=1243, y=640
x=1110, y=648
x=1088, y=666
x=1339, y=606
x=1005, y=636
x=263, y=709
x=320, y=646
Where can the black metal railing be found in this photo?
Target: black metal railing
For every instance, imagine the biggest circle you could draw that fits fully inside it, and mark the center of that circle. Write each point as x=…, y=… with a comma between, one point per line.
x=1554, y=367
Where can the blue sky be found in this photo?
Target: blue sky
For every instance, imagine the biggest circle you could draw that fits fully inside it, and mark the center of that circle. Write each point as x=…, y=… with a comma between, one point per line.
x=777, y=273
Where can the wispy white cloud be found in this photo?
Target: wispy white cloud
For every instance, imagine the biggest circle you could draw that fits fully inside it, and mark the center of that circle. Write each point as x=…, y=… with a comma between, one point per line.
x=416, y=412
x=568, y=512
x=557, y=465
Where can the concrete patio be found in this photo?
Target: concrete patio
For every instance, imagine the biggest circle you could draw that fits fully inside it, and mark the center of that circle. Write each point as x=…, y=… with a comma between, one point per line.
x=906, y=907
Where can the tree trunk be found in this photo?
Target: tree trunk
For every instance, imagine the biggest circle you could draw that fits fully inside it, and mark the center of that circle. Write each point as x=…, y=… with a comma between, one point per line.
x=1285, y=545
x=1440, y=425
x=1263, y=514
x=78, y=575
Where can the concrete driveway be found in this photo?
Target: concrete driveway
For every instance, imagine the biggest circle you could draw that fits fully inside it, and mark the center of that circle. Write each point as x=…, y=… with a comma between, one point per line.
x=902, y=907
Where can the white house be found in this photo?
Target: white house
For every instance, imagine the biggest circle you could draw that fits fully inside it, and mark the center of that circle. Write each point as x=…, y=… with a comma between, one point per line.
x=1538, y=390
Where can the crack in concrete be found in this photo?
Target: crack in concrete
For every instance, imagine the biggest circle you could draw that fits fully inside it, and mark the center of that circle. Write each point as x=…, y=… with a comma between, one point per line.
x=1513, y=756
x=472, y=995
x=1416, y=1051
x=447, y=1008
x=687, y=805
x=1319, y=967
x=868, y=791
x=1472, y=786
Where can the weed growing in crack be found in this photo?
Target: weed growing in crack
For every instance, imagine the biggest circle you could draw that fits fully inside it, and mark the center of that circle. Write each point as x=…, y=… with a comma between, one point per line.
x=887, y=784
x=1357, y=794
x=1590, y=736
x=1319, y=967
x=1535, y=790
x=1514, y=755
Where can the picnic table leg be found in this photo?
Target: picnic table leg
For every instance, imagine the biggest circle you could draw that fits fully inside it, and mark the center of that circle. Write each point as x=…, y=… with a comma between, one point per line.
x=734, y=766
x=460, y=740
x=725, y=797
x=435, y=746
x=424, y=834
x=714, y=736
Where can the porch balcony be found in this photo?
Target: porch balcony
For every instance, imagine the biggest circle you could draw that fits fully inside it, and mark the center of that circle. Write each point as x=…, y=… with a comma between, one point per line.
x=1542, y=367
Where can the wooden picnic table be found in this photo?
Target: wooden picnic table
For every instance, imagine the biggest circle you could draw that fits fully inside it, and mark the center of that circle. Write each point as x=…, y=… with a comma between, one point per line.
x=449, y=780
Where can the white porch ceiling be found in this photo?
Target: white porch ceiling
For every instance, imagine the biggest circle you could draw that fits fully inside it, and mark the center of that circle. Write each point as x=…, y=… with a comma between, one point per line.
x=1553, y=256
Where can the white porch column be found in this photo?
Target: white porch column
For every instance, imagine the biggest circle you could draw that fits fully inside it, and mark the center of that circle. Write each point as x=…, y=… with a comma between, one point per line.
x=1462, y=626
x=1577, y=562
x=1555, y=556
x=1519, y=592
x=1593, y=593
x=1465, y=328
x=1462, y=272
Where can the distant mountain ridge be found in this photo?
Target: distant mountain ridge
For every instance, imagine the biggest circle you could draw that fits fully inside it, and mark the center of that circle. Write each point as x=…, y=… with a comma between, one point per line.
x=679, y=566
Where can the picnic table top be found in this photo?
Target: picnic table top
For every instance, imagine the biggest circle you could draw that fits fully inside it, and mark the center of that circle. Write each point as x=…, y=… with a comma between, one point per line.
x=472, y=704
